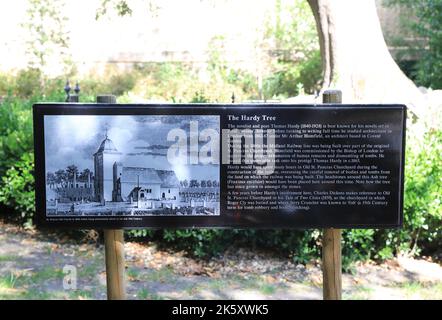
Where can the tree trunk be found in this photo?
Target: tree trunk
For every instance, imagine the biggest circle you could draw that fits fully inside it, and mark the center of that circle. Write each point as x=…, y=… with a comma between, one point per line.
x=355, y=56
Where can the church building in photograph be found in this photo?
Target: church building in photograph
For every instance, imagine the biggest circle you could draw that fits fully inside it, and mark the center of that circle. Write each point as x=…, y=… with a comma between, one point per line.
x=137, y=183
x=117, y=183
x=104, y=159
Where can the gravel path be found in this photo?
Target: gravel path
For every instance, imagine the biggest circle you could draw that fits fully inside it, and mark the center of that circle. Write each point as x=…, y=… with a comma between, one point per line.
x=34, y=265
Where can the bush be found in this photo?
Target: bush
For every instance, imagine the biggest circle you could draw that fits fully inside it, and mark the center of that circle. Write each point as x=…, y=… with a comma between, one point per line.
x=199, y=97
x=358, y=245
x=28, y=83
x=16, y=143
x=294, y=78
x=204, y=243
x=16, y=136
x=121, y=83
x=6, y=85
x=17, y=188
x=425, y=23
x=293, y=37
x=423, y=195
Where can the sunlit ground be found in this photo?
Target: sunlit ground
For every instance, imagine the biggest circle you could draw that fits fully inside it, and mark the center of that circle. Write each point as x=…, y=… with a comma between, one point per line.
x=32, y=267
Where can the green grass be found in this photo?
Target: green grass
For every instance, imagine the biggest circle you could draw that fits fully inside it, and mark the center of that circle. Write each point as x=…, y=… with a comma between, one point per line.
x=426, y=291
x=9, y=257
x=359, y=293
x=79, y=293
x=145, y=294
x=192, y=289
x=28, y=281
x=46, y=273
x=409, y=290
x=9, y=295
x=11, y=288
x=256, y=283
x=90, y=270
x=48, y=249
x=36, y=294
x=165, y=274
x=8, y=281
x=267, y=289
x=133, y=273
x=218, y=284
x=249, y=282
x=32, y=286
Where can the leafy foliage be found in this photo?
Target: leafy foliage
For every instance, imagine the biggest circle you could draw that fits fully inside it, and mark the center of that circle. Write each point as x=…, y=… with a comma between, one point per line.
x=427, y=25
x=423, y=191
x=15, y=132
x=290, y=36
x=47, y=38
x=293, y=80
x=120, y=6
x=17, y=188
x=293, y=37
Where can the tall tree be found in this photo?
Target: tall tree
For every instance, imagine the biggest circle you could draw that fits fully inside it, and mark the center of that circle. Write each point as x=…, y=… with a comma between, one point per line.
x=194, y=183
x=71, y=171
x=48, y=39
x=60, y=177
x=427, y=24
x=50, y=178
x=355, y=56
x=85, y=174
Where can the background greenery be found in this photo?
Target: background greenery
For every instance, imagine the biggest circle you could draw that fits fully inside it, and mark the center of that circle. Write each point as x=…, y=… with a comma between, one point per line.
x=424, y=21
x=295, y=70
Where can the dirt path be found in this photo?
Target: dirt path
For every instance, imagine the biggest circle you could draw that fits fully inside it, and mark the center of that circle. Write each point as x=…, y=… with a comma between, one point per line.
x=34, y=265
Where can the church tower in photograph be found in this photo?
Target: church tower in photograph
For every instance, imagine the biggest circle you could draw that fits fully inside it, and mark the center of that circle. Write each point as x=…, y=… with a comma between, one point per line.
x=106, y=155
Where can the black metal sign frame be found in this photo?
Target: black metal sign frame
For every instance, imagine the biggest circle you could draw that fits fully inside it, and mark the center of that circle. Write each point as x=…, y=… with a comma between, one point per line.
x=327, y=184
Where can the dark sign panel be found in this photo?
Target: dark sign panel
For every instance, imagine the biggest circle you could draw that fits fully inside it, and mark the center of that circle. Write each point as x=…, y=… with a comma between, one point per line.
x=244, y=166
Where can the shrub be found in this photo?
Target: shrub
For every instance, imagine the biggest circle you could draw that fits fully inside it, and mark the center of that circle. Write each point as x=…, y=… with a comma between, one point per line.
x=17, y=188
x=15, y=131
x=293, y=37
x=122, y=83
x=358, y=245
x=423, y=194
x=204, y=243
x=53, y=91
x=28, y=83
x=6, y=84
x=294, y=78
x=425, y=23
x=199, y=97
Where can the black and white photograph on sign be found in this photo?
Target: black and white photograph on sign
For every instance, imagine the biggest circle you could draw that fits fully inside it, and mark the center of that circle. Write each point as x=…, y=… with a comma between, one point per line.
x=145, y=165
